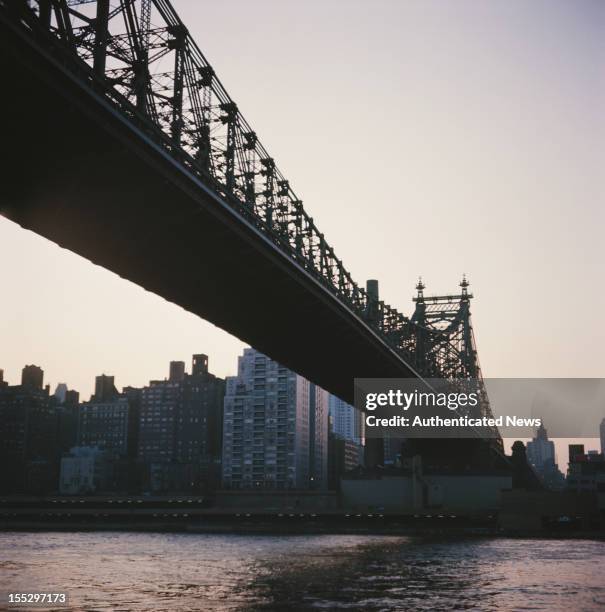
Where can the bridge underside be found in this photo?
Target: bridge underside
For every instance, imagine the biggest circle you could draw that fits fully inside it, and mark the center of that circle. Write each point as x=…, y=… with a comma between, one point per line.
x=74, y=172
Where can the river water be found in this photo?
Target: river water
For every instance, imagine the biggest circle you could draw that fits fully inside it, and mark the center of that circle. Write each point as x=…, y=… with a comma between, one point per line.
x=160, y=571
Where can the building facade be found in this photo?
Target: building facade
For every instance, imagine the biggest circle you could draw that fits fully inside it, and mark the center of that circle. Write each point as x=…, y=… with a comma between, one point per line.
x=106, y=425
x=159, y=403
x=199, y=425
x=105, y=389
x=275, y=429
x=541, y=456
x=346, y=420
x=586, y=471
x=29, y=444
x=180, y=429
x=540, y=450
x=85, y=471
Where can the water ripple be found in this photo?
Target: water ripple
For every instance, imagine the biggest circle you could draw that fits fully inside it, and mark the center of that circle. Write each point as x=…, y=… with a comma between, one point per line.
x=143, y=571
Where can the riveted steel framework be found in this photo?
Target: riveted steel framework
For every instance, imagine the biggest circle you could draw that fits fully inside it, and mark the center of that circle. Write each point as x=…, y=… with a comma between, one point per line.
x=140, y=57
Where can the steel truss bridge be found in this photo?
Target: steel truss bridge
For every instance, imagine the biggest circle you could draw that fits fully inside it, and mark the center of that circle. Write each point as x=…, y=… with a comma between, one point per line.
x=122, y=145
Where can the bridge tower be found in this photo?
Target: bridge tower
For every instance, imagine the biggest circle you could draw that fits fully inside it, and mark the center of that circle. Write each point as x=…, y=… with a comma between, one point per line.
x=139, y=160
x=445, y=348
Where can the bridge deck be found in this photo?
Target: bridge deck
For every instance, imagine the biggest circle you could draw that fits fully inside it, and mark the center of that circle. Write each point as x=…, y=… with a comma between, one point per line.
x=79, y=174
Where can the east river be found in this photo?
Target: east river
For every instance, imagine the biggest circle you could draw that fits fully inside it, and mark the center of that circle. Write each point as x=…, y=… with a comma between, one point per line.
x=164, y=571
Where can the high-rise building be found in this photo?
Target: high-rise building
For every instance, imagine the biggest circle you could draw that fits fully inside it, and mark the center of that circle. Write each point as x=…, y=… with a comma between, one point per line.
x=72, y=397
x=586, y=471
x=541, y=456
x=177, y=371
x=105, y=390
x=68, y=416
x=540, y=450
x=29, y=451
x=575, y=450
x=199, y=427
x=110, y=425
x=180, y=432
x=32, y=376
x=347, y=421
x=157, y=425
x=275, y=427
x=61, y=393
x=319, y=413
x=199, y=365
x=105, y=425
x=345, y=443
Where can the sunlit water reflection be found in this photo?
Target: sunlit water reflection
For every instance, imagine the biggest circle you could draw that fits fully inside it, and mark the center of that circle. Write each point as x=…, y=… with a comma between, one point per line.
x=146, y=571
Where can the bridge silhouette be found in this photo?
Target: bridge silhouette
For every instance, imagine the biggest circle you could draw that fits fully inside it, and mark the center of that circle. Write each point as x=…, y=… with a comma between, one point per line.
x=122, y=145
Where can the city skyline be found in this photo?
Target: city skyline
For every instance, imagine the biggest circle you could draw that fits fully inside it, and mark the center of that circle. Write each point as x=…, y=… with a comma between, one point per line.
x=61, y=306
x=560, y=444
x=192, y=431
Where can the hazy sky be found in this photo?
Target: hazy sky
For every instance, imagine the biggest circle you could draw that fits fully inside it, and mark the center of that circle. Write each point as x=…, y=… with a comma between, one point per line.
x=425, y=137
